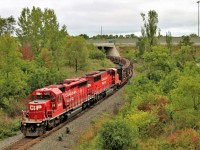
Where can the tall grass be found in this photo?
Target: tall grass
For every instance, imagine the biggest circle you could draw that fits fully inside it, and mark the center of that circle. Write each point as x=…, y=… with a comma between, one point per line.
x=8, y=126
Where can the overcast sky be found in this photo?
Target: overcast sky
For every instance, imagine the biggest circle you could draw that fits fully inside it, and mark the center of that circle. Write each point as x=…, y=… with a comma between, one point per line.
x=115, y=16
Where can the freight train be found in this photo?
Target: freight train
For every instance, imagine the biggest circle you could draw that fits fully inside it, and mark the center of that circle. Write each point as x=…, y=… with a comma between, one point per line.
x=51, y=105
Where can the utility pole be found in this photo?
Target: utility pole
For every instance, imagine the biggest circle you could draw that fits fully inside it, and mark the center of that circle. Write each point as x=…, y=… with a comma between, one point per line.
x=101, y=30
x=198, y=16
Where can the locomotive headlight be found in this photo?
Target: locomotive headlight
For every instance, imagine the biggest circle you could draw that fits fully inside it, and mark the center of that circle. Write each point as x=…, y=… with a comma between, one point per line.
x=27, y=115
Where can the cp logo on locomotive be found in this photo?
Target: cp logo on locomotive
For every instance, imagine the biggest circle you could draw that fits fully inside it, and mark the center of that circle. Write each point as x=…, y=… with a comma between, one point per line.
x=35, y=107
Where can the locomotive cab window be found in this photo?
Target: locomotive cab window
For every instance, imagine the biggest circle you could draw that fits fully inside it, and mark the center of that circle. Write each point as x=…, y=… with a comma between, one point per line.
x=46, y=96
x=97, y=78
x=62, y=89
x=82, y=84
x=53, y=98
x=73, y=86
x=59, y=98
x=39, y=97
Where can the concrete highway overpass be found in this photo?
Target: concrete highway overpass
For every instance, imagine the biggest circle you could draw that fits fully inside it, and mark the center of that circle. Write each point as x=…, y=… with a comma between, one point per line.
x=109, y=48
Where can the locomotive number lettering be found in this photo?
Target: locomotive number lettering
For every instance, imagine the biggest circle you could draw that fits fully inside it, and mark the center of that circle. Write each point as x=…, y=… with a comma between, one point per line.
x=37, y=107
x=103, y=82
x=103, y=79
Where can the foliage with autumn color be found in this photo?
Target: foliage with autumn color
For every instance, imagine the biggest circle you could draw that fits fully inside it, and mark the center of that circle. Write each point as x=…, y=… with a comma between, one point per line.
x=163, y=98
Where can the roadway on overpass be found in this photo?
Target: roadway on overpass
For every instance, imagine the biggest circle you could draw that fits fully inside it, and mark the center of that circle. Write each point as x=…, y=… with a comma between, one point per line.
x=133, y=41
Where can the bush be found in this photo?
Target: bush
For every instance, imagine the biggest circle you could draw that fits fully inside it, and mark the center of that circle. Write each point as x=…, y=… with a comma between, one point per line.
x=185, y=139
x=146, y=122
x=12, y=107
x=130, y=54
x=97, y=54
x=117, y=135
x=8, y=126
x=187, y=118
x=155, y=144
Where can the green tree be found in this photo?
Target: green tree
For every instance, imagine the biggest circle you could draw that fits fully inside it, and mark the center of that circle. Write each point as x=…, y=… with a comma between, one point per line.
x=79, y=53
x=149, y=32
x=39, y=78
x=85, y=36
x=59, y=50
x=40, y=29
x=169, y=41
x=30, y=27
x=141, y=84
x=13, y=80
x=46, y=57
x=130, y=36
x=143, y=45
x=187, y=93
x=150, y=27
x=95, y=53
x=110, y=36
x=157, y=63
x=186, y=41
x=185, y=54
x=167, y=83
x=193, y=35
x=7, y=25
x=185, y=101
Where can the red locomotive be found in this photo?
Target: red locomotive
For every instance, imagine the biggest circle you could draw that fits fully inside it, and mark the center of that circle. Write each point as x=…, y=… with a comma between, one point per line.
x=53, y=104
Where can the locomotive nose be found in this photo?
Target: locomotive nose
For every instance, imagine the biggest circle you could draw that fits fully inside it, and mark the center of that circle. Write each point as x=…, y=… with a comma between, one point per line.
x=37, y=110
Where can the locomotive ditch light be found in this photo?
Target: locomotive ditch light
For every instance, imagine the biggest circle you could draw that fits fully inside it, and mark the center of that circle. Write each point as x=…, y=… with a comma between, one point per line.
x=27, y=115
x=38, y=124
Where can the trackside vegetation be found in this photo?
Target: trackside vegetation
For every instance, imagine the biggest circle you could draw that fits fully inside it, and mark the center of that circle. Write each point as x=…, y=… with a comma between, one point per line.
x=162, y=100
x=41, y=53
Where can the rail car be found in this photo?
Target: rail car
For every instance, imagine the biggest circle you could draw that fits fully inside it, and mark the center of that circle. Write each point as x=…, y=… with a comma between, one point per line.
x=51, y=105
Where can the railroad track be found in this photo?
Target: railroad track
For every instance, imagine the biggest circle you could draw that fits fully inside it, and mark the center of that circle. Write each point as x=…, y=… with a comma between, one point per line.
x=26, y=142
x=19, y=144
